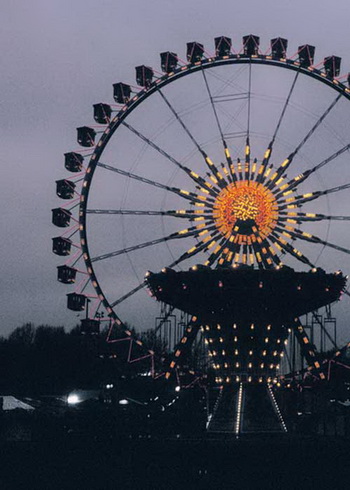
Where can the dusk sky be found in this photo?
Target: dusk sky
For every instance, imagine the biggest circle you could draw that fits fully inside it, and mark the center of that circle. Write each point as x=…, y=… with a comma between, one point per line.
x=58, y=58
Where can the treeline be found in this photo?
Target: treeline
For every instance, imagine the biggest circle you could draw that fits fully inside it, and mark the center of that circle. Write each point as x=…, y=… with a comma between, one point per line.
x=49, y=360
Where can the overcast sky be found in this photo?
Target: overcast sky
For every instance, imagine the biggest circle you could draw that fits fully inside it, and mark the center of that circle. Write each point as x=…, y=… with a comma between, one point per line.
x=59, y=57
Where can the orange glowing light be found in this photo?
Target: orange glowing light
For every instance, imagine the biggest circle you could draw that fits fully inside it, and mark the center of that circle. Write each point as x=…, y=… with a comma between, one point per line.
x=242, y=201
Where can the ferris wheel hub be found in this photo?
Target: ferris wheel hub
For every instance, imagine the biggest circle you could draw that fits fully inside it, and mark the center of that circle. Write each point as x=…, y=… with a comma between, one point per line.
x=245, y=201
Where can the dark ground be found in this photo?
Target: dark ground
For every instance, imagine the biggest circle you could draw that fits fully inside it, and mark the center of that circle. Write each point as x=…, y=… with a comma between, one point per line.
x=264, y=462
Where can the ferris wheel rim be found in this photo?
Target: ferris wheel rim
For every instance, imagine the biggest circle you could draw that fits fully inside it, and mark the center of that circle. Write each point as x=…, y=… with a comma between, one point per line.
x=141, y=96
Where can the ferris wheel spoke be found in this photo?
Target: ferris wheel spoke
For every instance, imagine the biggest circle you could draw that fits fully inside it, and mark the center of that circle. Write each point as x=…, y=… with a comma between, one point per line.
x=249, y=99
x=218, y=252
x=302, y=235
x=257, y=255
x=245, y=254
x=308, y=197
x=293, y=183
x=232, y=117
x=212, y=167
x=232, y=255
x=263, y=252
x=247, y=144
x=279, y=123
x=287, y=162
x=228, y=81
x=269, y=255
x=218, y=101
x=317, y=124
x=252, y=258
x=309, y=217
x=184, y=345
x=268, y=152
x=128, y=294
x=307, y=348
x=232, y=177
x=188, y=232
x=201, y=246
x=179, y=213
x=209, y=188
x=164, y=319
x=230, y=252
x=190, y=196
x=233, y=121
x=282, y=245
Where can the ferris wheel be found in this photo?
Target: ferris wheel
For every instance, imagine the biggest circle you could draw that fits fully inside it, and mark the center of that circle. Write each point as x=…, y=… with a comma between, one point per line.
x=237, y=157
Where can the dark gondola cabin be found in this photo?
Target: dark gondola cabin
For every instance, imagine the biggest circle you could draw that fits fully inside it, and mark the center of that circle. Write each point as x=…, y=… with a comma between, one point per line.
x=73, y=161
x=332, y=66
x=76, y=302
x=306, y=55
x=102, y=113
x=61, y=246
x=89, y=326
x=251, y=45
x=168, y=61
x=223, y=46
x=65, y=189
x=279, y=47
x=61, y=217
x=144, y=75
x=66, y=274
x=86, y=136
x=121, y=92
x=195, y=52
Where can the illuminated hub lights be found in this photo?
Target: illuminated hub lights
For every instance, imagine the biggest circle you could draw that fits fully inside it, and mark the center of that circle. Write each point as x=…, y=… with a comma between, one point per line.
x=245, y=201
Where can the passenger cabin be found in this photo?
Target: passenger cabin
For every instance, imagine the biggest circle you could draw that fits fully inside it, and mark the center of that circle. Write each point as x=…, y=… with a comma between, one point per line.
x=66, y=274
x=223, y=46
x=65, y=189
x=121, y=92
x=89, y=326
x=168, y=61
x=306, y=55
x=76, y=302
x=86, y=136
x=279, y=47
x=61, y=246
x=61, y=217
x=251, y=45
x=144, y=75
x=194, y=52
x=332, y=66
x=73, y=161
x=102, y=113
